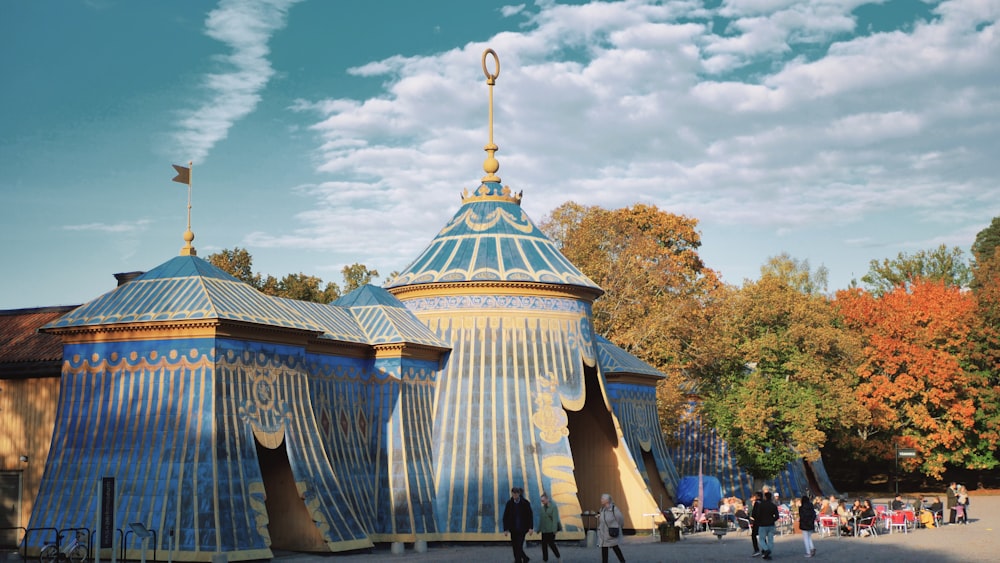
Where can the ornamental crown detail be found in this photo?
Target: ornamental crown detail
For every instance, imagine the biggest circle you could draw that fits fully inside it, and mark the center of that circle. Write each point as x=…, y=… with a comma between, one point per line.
x=491, y=192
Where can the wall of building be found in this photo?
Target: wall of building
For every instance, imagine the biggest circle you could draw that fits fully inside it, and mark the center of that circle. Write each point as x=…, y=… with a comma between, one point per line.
x=27, y=417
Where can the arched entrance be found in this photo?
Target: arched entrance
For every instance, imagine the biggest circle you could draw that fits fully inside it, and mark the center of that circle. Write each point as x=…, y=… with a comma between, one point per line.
x=289, y=523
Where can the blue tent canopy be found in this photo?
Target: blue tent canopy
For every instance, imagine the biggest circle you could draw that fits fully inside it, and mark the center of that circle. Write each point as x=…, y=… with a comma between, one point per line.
x=687, y=491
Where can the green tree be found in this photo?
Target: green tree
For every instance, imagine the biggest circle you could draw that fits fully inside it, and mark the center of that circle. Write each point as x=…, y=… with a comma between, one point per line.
x=797, y=274
x=357, y=275
x=307, y=288
x=987, y=241
x=985, y=362
x=947, y=265
x=776, y=368
x=239, y=263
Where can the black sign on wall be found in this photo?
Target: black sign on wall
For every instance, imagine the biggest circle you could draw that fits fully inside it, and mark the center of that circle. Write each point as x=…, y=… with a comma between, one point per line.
x=107, y=512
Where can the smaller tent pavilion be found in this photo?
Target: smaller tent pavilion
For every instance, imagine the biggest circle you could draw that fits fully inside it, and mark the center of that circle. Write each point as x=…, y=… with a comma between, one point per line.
x=700, y=449
x=235, y=422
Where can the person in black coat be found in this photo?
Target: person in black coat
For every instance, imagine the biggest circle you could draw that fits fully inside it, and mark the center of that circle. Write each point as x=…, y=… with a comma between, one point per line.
x=518, y=520
x=807, y=523
x=766, y=518
x=754, y=501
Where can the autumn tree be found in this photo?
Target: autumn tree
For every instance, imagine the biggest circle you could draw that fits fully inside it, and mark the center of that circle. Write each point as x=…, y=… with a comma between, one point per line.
x=236, y=262
x=306, y=288
x=943, y=264
x=916, y=379
x=777, y=368
x=239, y=263
x=655, y=283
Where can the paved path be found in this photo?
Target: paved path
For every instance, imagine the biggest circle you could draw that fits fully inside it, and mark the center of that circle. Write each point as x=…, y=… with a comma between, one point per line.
x=977, y=541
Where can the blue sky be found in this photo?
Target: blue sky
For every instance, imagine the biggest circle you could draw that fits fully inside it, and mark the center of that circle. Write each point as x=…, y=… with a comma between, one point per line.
x=329, y=133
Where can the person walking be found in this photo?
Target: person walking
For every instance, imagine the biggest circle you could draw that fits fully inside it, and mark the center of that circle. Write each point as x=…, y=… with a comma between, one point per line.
x=518, y=521
x=548, y=525
x=754, y=530
x=609, y=528
x=807, y=523
x=951, y=501
x=767, y=517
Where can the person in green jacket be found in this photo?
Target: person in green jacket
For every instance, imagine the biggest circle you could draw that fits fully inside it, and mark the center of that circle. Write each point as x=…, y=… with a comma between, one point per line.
x=548, y=525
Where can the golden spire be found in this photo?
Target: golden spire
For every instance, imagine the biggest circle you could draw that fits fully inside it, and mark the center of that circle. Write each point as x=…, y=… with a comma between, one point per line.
x=484, y=192
x=491, y=165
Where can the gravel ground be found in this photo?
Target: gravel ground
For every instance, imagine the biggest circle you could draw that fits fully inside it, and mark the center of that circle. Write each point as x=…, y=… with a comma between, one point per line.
x=974, y=542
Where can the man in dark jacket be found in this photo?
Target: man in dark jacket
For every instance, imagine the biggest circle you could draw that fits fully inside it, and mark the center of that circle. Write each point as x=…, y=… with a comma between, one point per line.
x=517, y=521
x=767, y=517
x=754, y=530
x=952, y=501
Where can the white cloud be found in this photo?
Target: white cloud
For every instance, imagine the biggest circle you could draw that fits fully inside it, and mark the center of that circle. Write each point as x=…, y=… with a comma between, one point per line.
x=245, y=26
x=123, y=227
x=508, y=11
x=613, y=103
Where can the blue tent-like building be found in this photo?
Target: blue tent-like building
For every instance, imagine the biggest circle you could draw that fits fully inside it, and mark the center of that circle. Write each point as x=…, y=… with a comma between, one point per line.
x=235, y=422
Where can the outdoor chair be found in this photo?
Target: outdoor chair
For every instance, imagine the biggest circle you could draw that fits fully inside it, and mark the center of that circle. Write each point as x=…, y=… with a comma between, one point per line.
x=829, y=525
x=742, y=525
x=897, y=521
x=870, y=524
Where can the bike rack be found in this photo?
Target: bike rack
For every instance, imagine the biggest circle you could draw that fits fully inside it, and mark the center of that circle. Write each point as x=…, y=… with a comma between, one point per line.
x=125, y=539
x=86, y=534
x=90, y=542
x=29, y=531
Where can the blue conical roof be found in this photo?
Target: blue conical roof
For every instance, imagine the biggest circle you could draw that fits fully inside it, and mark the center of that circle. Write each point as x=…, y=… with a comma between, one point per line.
x=491, y=238
x=183, y=288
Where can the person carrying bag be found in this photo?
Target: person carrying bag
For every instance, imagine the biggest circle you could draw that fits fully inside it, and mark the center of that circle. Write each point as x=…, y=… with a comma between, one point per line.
x=609, y=529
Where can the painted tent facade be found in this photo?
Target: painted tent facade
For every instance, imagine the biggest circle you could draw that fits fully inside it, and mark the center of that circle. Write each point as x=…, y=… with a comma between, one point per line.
x=217, y=408
x=522, y=400
x=631, y=387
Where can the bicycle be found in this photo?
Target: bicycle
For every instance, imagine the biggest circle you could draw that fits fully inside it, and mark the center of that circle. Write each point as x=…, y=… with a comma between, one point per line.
x=74, y=551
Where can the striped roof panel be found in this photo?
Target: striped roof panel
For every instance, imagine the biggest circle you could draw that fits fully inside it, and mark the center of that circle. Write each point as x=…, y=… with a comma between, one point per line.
x=385, y=320
x=616, y=361
x=184, y=288
x=492, y=240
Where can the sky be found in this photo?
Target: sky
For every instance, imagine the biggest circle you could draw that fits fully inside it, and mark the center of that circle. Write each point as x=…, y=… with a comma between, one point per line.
x=325, y=134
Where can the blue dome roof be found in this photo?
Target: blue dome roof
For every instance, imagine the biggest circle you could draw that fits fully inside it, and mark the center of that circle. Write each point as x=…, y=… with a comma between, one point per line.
x=491, y=238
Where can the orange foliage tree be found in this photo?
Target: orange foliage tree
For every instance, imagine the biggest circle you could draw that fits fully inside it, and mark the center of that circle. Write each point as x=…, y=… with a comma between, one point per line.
x=655, y=283
x=916, y=379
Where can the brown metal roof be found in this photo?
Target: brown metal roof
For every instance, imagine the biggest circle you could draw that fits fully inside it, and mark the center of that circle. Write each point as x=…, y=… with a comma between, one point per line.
x=25, y=352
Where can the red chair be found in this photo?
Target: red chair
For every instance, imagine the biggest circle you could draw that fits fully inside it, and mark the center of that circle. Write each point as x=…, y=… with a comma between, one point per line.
x=870, y=524
x=828, y=525
x=897, y=521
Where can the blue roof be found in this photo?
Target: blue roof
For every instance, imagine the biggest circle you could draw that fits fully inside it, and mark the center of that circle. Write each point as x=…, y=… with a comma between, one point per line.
x=184, y=288
x=491, y=238
x=386, y=320
x=616, y=361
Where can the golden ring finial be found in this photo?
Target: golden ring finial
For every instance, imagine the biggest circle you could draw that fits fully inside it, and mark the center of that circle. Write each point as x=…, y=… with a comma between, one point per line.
x=491, y=77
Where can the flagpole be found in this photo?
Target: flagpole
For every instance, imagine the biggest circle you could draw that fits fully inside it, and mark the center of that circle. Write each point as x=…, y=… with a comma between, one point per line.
x=190, y=177
x=184, y=177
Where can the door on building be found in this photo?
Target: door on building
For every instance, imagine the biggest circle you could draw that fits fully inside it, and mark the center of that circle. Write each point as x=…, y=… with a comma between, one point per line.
x=10, y=508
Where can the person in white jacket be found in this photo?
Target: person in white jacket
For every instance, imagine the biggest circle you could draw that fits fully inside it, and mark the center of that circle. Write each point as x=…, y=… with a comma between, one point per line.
x=609, y=528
